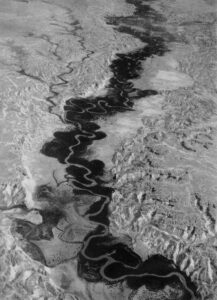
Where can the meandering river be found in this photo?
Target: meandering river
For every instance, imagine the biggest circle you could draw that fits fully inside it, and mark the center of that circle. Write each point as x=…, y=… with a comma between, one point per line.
x=102, y=258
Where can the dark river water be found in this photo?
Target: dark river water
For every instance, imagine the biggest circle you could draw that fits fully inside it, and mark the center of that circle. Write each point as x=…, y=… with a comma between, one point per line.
x=102, y=257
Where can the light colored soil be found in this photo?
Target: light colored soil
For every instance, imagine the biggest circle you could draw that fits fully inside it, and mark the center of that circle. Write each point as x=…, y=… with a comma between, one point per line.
x=165, y=198
x=50, y=40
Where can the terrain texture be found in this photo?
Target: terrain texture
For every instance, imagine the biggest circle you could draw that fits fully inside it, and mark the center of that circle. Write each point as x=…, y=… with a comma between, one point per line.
x=108, y=150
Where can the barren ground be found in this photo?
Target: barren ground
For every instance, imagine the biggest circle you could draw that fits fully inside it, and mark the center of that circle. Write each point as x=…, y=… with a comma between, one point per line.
x=162, y=155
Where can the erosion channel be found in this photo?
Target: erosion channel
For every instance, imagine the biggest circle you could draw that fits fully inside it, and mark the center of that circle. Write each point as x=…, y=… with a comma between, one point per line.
x=103, y=258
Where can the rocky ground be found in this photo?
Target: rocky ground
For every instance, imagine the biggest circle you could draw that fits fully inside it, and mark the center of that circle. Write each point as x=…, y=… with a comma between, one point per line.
x=50, y=50
x=165, y=177
x=165, y=174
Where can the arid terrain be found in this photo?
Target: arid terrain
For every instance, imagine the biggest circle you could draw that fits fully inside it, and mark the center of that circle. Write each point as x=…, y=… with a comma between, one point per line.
x=108, y=149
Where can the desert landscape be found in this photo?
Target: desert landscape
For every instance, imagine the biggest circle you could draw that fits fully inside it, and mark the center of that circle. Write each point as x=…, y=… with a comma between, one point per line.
x=108, y=150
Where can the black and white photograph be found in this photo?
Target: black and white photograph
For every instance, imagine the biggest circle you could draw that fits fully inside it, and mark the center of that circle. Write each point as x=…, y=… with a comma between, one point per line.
x=108, y=149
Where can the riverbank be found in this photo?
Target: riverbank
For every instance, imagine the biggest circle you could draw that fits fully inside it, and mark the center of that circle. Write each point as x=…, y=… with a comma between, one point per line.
x=49, y=52
x=165, y=198
x=93, y=81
